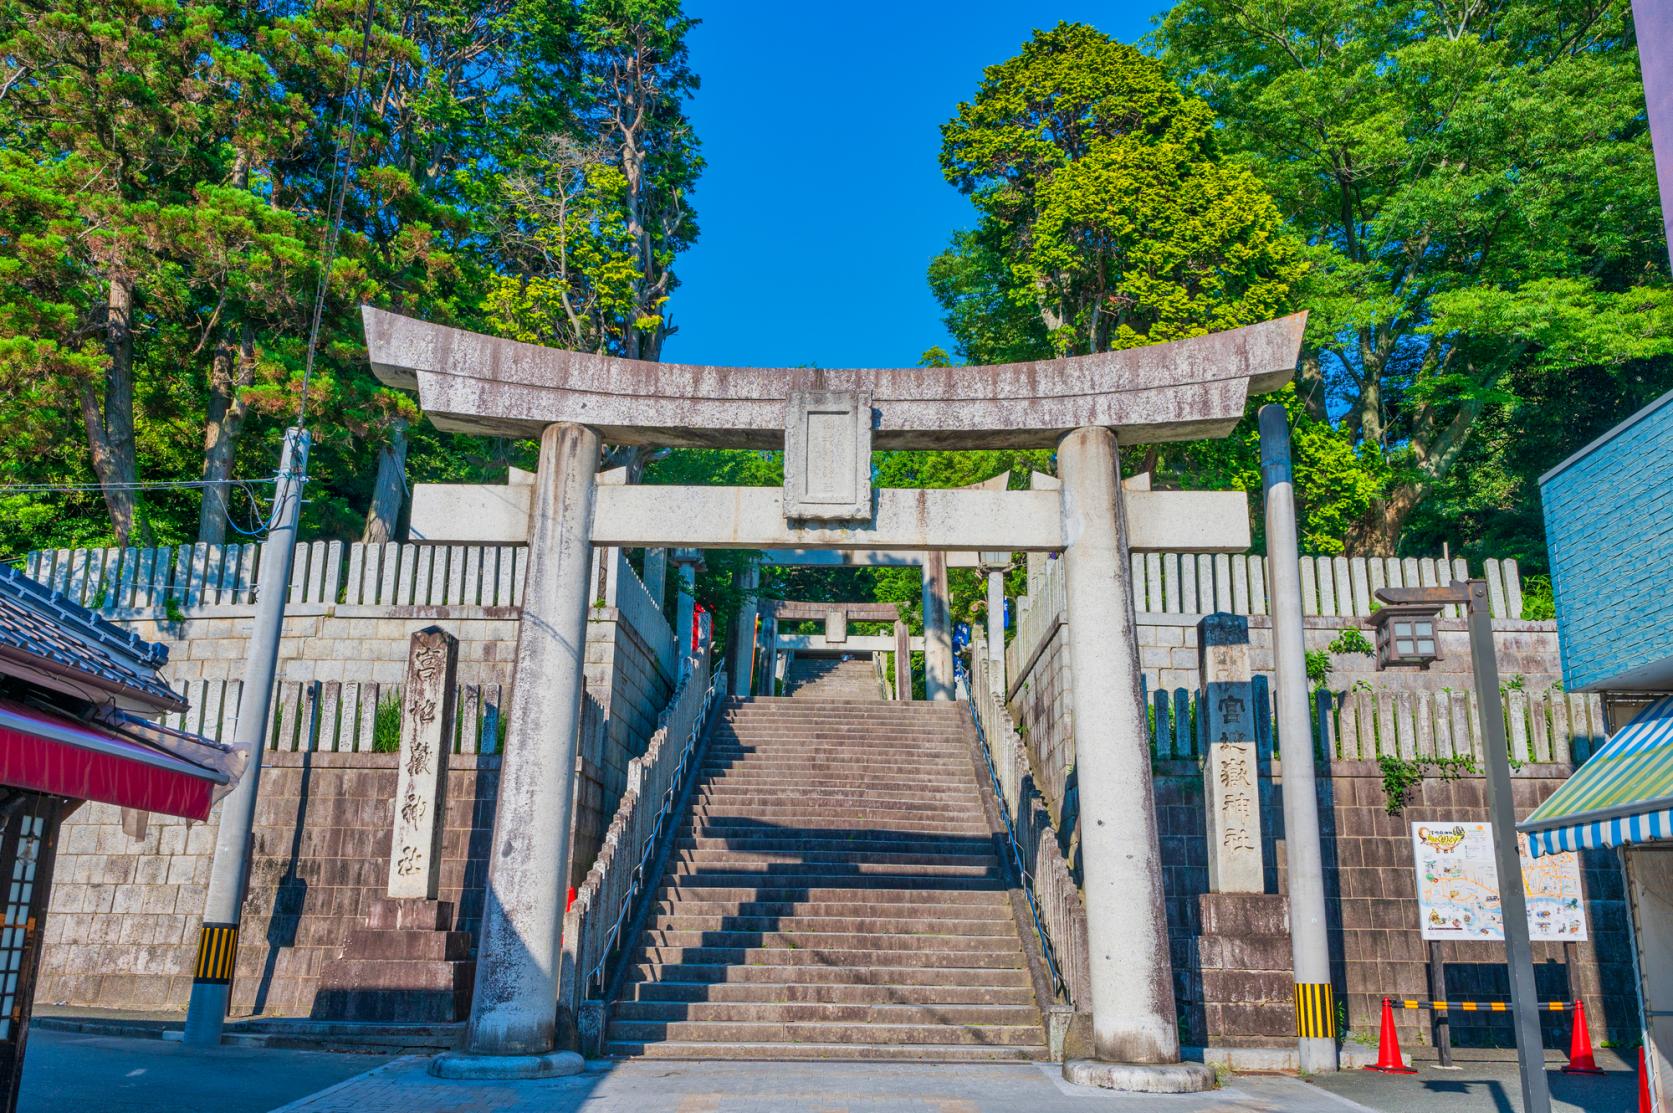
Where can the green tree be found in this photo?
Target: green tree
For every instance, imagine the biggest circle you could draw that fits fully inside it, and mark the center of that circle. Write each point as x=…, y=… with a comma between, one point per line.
x=1102, y=205
x=1476, y=188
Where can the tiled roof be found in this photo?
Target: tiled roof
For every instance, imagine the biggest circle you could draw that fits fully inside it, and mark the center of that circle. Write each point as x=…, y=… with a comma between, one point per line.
x=42, y=628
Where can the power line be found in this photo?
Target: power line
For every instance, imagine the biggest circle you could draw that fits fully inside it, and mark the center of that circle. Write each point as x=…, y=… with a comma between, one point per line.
x=138, y=485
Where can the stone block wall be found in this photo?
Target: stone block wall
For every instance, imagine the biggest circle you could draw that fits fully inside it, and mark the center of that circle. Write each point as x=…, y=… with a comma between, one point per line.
x=1371, y=893
x=122, y=929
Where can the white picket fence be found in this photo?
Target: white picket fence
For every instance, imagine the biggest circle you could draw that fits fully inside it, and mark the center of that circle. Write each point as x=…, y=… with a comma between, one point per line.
x=1202, y=583
x=1549, y=726
x=329, y=716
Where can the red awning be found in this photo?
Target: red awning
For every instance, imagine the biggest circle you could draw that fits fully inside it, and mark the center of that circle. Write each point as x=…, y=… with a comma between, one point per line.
x=49, y=753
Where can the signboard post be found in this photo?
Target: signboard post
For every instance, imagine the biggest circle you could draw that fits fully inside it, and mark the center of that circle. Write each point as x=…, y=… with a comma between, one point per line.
x=1458, y=898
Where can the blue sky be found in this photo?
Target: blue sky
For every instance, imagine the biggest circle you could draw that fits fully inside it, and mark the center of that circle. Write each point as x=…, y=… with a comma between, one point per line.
x=823, y=202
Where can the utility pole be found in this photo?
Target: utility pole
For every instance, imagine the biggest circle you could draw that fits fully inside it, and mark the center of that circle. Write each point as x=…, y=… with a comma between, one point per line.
x=1309, y=941
x=228, y=876
x=1501, y=809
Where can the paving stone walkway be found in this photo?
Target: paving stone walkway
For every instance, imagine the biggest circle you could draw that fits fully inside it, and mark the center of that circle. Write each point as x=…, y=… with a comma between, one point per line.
x=645, y=1086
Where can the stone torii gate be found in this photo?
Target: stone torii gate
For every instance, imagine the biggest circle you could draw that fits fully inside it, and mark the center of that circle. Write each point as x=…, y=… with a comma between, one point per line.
x=828, y=422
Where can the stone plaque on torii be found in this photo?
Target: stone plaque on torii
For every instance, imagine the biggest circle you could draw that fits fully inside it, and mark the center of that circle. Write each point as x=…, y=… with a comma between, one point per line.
x=1081, y=405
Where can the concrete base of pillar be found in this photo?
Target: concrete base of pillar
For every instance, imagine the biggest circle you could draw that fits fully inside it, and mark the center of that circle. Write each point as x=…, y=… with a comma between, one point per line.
x=465, y=1067
x=1141, y=1078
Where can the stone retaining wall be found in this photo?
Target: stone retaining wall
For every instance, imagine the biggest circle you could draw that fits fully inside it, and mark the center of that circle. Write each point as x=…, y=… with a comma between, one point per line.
x=122, y=929
x=1371, y=893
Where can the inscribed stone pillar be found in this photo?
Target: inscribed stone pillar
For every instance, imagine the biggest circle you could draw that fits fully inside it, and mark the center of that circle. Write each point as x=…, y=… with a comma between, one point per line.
x=836, y=627
x=426, y=740
x=512, y=1010
x=1230, y=775
x=938, y=629
x=1133, y=1016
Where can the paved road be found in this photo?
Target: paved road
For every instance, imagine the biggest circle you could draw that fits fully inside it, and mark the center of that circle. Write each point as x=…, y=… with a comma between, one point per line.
x=663, y=1087
x=1483, y=1088
x=63, y=1070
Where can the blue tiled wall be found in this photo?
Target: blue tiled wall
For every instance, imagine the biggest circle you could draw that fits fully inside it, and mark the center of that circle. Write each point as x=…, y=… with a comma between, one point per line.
x=1609, y=523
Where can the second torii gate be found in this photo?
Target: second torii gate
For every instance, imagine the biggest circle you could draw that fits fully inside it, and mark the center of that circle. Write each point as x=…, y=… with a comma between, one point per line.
x=828, y=422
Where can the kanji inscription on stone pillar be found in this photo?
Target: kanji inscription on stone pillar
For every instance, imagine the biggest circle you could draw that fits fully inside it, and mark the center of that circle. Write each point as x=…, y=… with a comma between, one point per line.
x=1231, y=775
x=421, y=788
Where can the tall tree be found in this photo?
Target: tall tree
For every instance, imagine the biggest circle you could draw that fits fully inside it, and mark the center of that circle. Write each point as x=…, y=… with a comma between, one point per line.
x=1476, y=187
x=1102, y=201
x=109, y=116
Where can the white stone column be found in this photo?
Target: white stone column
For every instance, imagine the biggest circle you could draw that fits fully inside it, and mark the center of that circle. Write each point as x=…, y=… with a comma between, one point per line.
x=1133, y=1017
x=1303, y=853
x=742, y=681
x=995, y=565
x=903, y=661
x=656, y=576
x=685, y=607
x=513, y=1008
x=938, y=629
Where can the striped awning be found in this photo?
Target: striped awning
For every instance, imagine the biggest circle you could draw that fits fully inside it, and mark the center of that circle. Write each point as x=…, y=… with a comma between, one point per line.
x=1622, y=795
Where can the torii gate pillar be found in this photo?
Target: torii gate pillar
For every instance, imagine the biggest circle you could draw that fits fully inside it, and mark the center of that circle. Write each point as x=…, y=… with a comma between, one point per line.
x=511, y=1033
x=938, y=629
x=1133, y=1017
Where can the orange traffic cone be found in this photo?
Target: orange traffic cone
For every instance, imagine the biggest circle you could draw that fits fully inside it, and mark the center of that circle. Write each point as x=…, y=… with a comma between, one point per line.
x=1643, y=1084
x=1389, y=1059
x=1580, y=1060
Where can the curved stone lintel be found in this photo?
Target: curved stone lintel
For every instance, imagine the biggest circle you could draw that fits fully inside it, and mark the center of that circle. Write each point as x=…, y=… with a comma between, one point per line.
x=1141, y=1078
x=468, y=382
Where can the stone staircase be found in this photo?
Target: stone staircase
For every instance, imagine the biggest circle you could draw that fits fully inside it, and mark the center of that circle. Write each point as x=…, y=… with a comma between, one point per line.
x=834, y=893
x=832, y=678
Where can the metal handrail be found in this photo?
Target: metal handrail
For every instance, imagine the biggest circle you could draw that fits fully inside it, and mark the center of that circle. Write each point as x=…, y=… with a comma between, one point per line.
x=1059, y=985
x=647, y=852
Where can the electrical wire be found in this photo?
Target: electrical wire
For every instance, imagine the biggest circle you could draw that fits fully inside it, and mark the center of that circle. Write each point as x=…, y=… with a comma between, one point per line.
x=138, y=485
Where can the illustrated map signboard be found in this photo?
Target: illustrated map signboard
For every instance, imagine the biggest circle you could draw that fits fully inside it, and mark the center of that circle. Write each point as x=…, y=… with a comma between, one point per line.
x=1458, y=886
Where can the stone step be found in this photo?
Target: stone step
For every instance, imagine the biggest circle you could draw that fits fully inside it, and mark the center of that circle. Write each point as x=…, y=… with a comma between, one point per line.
x=733, y=1032
x=995, y=913
x=874, y=799
x=917, y=862
x=826, y=875
x=830, y=956
x=906, y=754
x=866, y=976
x=833, y=778
x=791, y=1052
x=796, y=925
x=825, y=1012
x=719, y=819
x=776, y=842
x=668, y=939
x=986, y=899
x=778, y=992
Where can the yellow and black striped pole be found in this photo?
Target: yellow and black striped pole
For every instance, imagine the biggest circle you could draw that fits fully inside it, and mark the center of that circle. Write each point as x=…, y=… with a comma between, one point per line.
x=217, y=950
x=1315, y=1011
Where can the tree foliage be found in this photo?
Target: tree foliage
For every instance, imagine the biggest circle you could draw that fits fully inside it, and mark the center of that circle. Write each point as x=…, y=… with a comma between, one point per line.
x=1476, y=188
x=169, y=171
